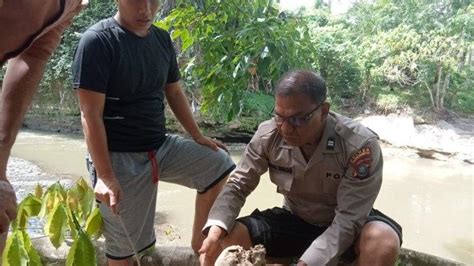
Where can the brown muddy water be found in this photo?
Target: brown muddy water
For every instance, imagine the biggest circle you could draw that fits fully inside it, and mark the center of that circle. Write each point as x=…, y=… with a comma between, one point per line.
x=432, y=200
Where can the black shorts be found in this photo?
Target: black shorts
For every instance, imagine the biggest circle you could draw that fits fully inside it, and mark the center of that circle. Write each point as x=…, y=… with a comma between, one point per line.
x=286, y=235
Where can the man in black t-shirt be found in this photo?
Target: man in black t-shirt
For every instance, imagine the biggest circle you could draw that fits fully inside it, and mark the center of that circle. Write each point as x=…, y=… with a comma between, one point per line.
x=123, y=68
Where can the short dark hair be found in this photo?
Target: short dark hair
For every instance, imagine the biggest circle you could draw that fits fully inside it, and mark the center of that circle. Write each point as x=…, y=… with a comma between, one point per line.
x=302, y=81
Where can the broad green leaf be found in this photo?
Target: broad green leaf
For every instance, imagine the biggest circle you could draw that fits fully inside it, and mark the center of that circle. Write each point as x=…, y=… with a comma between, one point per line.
x=72, y=226
x=83, y=184
x=94, y=223
x=86, y=202
x=56, y=225
x=84, y=195
x=34, y=257
x=82, y=252
x=72, y=198
x=15, y=253
x=47, y=201
x=30, y=206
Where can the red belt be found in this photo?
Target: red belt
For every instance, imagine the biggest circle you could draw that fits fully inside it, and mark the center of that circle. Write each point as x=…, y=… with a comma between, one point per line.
x=155, y=171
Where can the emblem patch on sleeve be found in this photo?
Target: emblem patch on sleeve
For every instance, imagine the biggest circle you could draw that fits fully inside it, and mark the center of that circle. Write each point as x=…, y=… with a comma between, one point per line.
x=360, y=163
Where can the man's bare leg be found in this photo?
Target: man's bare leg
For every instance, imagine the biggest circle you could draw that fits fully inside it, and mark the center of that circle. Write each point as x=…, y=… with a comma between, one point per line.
x=378, y=245
x=202, y=207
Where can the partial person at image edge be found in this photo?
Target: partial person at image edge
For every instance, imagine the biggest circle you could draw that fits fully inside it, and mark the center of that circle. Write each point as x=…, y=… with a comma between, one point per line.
x=30, y=32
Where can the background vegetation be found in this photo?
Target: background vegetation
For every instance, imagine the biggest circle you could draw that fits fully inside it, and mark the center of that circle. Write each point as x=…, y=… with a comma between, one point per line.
x=384, y=55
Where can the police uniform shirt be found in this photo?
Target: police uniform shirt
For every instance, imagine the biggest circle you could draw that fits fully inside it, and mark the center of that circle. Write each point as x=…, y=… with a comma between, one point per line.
x=336, y=187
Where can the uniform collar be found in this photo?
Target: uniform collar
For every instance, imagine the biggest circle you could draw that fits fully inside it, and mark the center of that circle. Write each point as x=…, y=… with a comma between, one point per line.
x=328, y=144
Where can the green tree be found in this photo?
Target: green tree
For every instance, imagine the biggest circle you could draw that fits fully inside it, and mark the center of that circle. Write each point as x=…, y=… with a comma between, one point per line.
x=229, y=47
x=415, y=45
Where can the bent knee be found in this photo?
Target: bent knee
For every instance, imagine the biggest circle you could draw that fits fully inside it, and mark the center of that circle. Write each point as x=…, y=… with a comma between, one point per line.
x=379, y=238
x=238, y=236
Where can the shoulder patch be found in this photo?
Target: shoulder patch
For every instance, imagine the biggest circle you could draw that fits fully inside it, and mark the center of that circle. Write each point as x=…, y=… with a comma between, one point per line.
x=360, y=163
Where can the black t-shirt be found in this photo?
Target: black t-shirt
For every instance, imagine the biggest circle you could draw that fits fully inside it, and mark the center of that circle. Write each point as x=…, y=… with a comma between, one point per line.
x=132, y=72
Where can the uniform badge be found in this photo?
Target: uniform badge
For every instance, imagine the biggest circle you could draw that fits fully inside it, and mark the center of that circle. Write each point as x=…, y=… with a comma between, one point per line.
x=330, y=144
x=360, y=163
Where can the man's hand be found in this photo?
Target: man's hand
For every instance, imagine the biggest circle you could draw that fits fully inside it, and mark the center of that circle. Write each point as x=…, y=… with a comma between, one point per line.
x=109, y=192
x=301, y=263
x=7, y=205
x=211, y=247
x=211, y=143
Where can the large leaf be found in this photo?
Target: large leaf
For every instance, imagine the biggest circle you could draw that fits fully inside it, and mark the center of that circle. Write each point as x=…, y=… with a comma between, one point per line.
x=34, y=257
x=53, y=196
x=72, y=199
x=82, y=183
x=86, y=198
x=56, y=225
x=94, y=223
x=15, y=253
x=29, y=207
x=82, y=252
x=47, y=201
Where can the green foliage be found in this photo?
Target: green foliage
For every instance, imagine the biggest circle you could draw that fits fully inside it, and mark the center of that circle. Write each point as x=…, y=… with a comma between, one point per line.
x=56, y=225
x=20, y=251
x=94, y=223
x=462, y=99
x=82, y=252
x=67, y=212
x=388, y=102
x=337, y=62
x=15, y=253
x=413, y=45
x=55, y=91
x=229, y=47
x=30, y=206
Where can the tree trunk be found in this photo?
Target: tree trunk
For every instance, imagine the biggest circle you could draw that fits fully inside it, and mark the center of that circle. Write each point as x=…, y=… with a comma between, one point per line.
x=431, y=95
x=439, y=73
x=443, y=92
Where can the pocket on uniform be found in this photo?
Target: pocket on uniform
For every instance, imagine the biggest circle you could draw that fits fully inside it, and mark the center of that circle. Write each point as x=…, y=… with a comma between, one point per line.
x=330, y=187
x=282, y=177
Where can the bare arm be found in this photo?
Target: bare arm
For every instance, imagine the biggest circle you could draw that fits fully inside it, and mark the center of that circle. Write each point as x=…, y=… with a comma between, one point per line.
x=19, y=86
x=92, y=106
x=20, y=83
x=179, y=105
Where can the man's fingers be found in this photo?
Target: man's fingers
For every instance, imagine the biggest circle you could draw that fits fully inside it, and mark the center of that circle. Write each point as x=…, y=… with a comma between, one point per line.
x=211, y=144
x=203, y=248
x=113, y=203
x=113, y=200
x=222, y=146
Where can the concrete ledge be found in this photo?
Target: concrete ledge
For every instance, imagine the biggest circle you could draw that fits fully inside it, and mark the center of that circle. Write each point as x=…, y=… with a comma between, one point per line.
x=181, y=255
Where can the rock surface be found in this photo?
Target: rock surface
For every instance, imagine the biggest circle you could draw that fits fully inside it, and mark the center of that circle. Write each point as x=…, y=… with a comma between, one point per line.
x=440, y=141
x=237, y=256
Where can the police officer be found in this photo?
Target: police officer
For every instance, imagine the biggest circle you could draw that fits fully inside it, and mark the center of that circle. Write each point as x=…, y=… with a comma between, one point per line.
x=329, y=170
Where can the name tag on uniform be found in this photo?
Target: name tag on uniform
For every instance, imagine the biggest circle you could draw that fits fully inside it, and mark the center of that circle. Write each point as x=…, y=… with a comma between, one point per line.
x=280, y=168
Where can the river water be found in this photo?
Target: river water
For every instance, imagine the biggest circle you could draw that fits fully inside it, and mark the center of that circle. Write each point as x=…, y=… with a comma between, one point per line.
x=432, y=200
